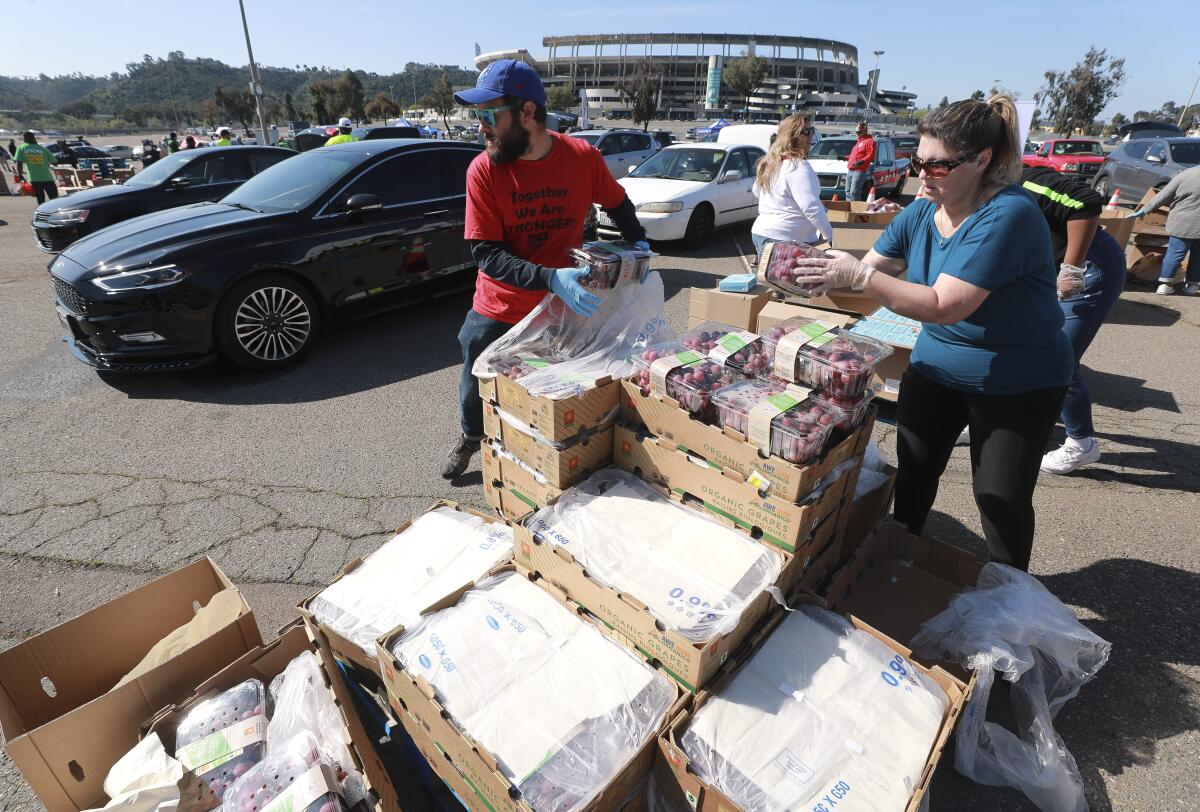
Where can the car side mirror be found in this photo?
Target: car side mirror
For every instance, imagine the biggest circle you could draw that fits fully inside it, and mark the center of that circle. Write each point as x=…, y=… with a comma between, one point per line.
x=180, y=183
x=732, y=174
x=631, y=168
x=363, y=202
x=1155, y=159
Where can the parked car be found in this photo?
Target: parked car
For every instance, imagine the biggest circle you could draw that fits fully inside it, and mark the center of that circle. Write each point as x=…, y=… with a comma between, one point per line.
x=187, y=177
x=1148, y=129
x=621, y=148
x=1142, y=164
x=314, y=137
x=118, y=151
x=1080, y=157
x=664, y=138
x=685, y=191
x=906, y=147
x=327, y=233
x=828, y=159
x=381, y=131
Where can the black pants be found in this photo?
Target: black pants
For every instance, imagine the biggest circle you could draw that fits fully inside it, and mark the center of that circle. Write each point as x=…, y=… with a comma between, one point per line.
x=1009, y=434
x=45, y=190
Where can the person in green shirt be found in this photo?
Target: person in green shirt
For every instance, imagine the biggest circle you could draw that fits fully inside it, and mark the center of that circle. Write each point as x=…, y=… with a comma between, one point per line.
x=36, y=161
x=345, y=125
x=172, y=144
x=223, y=139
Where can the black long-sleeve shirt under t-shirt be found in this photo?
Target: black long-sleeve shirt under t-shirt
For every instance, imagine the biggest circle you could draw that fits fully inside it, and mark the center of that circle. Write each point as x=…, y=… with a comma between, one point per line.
x=494, y=258
x=1062, y=199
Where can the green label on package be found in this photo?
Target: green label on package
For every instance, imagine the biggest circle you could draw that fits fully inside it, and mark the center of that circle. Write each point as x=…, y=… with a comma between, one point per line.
x=216, y=748
x=663, y=366
x=762, y=414
x=812, y=334
x=730, y=343
x=534, y=361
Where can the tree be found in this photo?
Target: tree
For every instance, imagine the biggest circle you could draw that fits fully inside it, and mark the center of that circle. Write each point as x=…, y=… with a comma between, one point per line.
x=78, y=109
x=561, y=97
x=1113, y=123
x=1142, y=115
x=324, y=100
x=1073, y=99
x=382, y=107
x=210, y=111
x=237, y=104
x=441, y=99
x=350, y=91
x=641, y=92
x=1168, y=112
x=944, y=103
x=743, y=75
x=289, y=107
x=977, y=95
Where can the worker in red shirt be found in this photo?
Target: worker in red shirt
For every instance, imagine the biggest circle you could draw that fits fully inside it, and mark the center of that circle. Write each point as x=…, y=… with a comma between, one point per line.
x=528, y=195
x=858, y=163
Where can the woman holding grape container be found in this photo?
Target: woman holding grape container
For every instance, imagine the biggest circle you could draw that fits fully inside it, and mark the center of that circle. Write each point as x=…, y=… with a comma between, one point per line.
x=992, y=354
x=788, y=192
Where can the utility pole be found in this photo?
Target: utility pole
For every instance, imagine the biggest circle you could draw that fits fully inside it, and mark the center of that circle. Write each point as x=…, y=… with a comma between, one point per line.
x=255, y=85
x=875, y=81
x=1183, y=112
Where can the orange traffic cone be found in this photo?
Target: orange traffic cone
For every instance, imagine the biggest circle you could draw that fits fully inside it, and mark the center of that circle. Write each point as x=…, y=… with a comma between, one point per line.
x=1113, y=202
x=835, y=198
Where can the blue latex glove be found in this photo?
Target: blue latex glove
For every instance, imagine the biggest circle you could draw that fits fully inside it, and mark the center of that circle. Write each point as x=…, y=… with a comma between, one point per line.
x=642, y=245
x=1138, y=213
x=565, y=285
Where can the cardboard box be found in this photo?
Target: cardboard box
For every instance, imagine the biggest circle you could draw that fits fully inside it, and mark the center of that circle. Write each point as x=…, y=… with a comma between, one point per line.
x=1144, y=256
x=562, y=467
x=348, y=650
x=1118, y=224
x=265, y=663
x=727, y=449
x=64, y=725
x=864, y=514
x=735, y=309
x=557, y=420
x=724, y=492
x=855, y=211
x=490, y=791
x=776, y=312
x=856, y=238
x=680, y=784
x=1154, y=222
x=511, y=489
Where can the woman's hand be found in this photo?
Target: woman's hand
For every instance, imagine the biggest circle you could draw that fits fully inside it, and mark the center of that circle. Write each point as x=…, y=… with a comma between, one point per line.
x=1070, y=281
x=841, y=270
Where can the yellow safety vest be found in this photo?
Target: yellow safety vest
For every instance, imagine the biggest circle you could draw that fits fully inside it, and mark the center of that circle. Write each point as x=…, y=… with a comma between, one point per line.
x=339, y=139
x=224, y=142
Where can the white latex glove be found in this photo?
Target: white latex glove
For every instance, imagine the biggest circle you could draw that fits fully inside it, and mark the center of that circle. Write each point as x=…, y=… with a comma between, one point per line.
x=1070, y=281
x=840, y=271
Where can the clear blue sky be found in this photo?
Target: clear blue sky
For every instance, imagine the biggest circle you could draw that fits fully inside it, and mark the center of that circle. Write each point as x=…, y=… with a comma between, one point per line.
x=934, y=48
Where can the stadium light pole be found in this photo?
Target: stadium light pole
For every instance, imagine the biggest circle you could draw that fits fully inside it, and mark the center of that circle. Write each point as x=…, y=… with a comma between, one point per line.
x=255, y=85
x=1183, y=112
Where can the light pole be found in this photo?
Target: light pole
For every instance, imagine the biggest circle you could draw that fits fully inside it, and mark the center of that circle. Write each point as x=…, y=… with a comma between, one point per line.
x=875, y=81
x=1183, y=112
x=255, y=85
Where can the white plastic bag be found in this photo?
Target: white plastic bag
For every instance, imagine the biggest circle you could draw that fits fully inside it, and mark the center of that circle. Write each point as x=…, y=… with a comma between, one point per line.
x=1012, y=624
x=305, y=703
x=579, y=350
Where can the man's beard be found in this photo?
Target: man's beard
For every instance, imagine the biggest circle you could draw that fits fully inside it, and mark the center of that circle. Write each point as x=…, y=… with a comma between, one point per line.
x=509, y=147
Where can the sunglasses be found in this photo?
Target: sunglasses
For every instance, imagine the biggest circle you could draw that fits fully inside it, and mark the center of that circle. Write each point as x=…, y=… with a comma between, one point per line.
x=488, y=114
x=939, y=169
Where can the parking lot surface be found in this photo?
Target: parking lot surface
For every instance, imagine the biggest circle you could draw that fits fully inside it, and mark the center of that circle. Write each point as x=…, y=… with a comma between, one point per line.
x=281, y=479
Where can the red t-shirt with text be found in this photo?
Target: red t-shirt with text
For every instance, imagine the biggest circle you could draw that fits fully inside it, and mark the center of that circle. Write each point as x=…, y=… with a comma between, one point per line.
x=537, y=209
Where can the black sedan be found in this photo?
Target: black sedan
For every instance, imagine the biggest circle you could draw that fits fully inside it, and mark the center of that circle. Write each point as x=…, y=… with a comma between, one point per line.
x=191, y=176
x=331, y=232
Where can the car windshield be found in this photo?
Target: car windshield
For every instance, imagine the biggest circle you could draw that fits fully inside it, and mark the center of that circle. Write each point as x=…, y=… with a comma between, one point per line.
x=1188, y=153
x=295, y=183
x=906, y=142
x=699, y=165
x=591, y=139
x=832, y=149
x=160, y=170
x=1077, y=148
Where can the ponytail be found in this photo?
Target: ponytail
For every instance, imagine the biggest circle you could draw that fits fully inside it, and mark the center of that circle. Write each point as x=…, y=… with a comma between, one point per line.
x=1006, y=164
x=968, y=127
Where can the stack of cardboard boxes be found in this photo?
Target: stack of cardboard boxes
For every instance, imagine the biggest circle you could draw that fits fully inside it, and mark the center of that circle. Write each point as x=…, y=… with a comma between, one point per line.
x=1147, y=237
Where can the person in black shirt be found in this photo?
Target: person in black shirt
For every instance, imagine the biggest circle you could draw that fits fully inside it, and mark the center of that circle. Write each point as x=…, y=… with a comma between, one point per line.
x=1091, y=276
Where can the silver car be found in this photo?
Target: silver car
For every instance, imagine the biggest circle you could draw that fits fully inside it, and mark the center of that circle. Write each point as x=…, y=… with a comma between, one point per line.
x=622, y=149
x=1140, y=165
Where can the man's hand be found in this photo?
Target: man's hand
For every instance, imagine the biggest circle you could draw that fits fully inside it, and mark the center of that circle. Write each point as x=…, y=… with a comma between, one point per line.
x=1070, y=281
x=841, y=270
x=565, y=285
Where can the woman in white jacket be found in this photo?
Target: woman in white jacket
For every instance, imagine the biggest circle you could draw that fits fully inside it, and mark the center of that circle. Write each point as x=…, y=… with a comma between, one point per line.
x=788, y=192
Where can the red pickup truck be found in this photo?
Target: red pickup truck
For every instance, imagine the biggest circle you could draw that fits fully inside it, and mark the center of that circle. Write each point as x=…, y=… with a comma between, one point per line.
x=1072, y=156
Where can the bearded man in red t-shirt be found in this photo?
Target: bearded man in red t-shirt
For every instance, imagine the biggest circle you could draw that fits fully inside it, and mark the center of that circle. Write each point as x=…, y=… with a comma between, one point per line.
x=528, y=196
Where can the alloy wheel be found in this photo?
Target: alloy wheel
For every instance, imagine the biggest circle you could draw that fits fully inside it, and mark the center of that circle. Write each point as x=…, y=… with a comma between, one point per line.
x=272, y=323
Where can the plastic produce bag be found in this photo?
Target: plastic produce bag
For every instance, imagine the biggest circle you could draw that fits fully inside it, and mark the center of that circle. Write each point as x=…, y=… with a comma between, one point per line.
x=293, y=778
x=1012, y=624
x=438, y=553
x=221, y=739
x=305, y=703
x=822, y=710
x=561, y=706
x=565, y=353
x=692, y=573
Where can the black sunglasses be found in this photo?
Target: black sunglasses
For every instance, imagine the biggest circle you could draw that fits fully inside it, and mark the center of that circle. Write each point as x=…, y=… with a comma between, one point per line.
x=939, y=168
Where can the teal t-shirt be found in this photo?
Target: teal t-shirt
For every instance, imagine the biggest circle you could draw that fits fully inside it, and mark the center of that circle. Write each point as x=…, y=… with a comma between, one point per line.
x=1014, y=342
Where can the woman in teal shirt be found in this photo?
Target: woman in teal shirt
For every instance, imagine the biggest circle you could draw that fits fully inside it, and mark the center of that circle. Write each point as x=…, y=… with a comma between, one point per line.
x=992, y=354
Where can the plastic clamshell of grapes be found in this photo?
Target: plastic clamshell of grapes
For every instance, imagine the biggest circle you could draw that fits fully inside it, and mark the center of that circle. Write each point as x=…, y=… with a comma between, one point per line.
x=271, y=777
x=855, y=408
x=778, y=267
x=691, y=385
x=749, y=360
x=212, y=723
x=841, y=366
x=515, y=367
x=798, y=435
x=770, y=343
x=606, y=261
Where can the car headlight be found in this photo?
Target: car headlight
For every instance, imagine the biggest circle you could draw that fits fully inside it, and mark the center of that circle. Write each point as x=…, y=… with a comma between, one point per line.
x=661, y=208
x=156, y=277
x=65, y=216
x=1070, y=167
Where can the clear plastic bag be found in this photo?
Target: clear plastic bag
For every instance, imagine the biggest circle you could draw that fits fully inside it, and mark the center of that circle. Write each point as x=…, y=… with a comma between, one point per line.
x=821, y=710
x=508, y=651
x=438, y=553
x=1012, y=624
x=295, y=774
x=692, y=573
x=222, y=738
x=579, y=351
x=305, y=703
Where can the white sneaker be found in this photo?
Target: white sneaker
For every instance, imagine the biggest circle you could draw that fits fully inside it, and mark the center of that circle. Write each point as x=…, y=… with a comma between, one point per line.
x=1192, y=287
x=965, y=437
x=1165, y=290
x=1071, y=457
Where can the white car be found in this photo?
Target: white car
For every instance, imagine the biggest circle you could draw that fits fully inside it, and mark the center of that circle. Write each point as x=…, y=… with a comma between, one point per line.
x=685, y=191
x=118, y=151
x=621, y=148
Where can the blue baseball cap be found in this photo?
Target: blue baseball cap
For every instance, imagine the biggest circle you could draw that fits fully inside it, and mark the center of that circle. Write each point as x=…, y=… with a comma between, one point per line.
x=505, y=77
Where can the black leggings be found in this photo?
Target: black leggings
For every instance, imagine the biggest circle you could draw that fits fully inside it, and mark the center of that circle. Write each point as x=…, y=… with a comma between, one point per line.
x=1009, y=434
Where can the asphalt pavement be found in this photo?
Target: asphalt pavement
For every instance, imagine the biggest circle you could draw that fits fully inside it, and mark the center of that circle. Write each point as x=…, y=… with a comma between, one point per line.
x=283, y=478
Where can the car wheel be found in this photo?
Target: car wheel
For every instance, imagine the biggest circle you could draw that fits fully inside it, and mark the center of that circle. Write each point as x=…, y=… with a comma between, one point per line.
x=699, y=228
x=266, y=321
x=1102, y=187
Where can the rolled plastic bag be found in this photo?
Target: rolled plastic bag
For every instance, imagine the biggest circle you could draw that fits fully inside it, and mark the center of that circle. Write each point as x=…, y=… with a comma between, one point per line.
x=1012, y=624
x=556, y=353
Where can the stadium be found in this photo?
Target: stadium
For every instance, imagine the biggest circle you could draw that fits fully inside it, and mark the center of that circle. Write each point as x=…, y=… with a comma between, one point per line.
x=818, y=76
